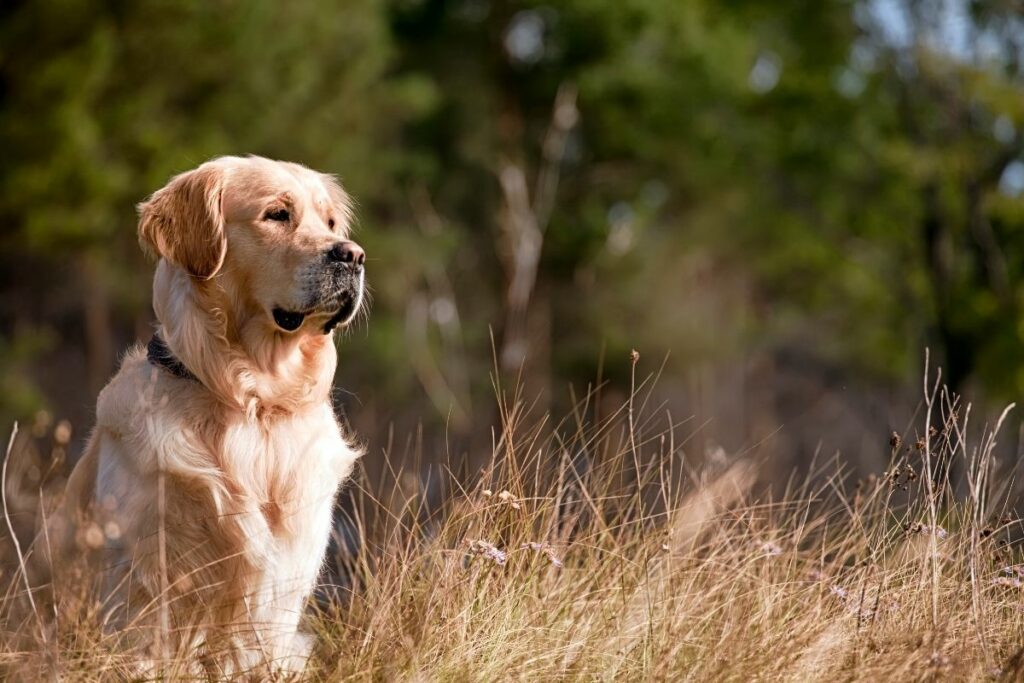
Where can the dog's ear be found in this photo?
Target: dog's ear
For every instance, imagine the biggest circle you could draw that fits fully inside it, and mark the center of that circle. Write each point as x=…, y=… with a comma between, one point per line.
x=184, y=222
x=341, y=203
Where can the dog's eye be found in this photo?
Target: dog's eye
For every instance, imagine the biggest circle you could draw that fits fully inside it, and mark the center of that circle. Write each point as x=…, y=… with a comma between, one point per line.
x=281, y=215
x=330, y=223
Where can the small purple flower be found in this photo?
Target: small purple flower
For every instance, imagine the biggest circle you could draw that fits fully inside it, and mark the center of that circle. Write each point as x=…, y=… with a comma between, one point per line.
x=839, y=592
x=548, y=551
x=488, y=550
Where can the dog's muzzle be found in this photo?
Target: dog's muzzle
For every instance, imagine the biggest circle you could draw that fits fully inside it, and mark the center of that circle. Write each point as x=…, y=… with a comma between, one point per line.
x=338, y=293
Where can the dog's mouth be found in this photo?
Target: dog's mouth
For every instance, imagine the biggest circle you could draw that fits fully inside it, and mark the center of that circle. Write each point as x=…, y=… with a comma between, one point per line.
x=339, y=309
x=344, y=314
x=289, y=321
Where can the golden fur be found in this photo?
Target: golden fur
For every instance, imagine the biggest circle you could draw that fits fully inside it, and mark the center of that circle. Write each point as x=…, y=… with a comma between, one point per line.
x=209, y=503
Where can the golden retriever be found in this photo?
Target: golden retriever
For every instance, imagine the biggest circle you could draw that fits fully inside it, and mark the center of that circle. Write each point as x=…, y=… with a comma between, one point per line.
x=207, y=488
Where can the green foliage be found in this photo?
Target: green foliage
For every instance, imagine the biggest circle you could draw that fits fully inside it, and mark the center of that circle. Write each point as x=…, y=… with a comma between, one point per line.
x=744, y=177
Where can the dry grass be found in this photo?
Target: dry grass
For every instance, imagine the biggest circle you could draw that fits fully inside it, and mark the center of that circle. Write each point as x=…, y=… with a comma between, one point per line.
x=596, y=552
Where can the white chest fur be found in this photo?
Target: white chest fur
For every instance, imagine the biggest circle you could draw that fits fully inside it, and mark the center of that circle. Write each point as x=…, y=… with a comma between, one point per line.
x=287, y=474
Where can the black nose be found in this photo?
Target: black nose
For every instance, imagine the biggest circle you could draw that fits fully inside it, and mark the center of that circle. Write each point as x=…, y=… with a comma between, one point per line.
x=346, y=252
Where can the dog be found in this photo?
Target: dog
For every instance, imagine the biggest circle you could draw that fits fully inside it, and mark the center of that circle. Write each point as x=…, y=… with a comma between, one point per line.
x=205, y=494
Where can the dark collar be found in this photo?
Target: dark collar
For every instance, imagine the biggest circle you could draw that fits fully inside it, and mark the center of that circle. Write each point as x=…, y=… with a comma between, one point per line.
x=160, y=355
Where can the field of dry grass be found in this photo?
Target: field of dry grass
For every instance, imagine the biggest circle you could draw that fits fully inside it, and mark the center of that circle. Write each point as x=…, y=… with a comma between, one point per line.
x=600, y=552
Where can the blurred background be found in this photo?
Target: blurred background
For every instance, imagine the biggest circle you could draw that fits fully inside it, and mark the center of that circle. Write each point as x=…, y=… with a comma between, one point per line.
x=779, y=204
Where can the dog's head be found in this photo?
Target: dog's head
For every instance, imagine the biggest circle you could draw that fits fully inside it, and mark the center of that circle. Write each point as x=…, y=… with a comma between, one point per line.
x=274, y=236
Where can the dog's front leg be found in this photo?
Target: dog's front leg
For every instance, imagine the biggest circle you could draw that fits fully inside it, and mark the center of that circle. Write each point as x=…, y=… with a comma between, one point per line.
x=277, y=628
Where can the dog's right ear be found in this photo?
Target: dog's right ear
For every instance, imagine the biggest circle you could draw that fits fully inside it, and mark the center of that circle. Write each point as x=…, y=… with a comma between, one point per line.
x=184, y=222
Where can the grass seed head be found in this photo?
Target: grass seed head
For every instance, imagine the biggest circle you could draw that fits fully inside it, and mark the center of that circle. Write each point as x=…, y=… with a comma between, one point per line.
x=487, y=550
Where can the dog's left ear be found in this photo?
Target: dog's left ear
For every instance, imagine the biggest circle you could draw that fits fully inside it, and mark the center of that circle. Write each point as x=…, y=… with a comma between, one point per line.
x=341, y=203
x=184, y=221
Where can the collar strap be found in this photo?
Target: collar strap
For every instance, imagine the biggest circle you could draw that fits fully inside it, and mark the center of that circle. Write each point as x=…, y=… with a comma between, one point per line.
x=158, y=353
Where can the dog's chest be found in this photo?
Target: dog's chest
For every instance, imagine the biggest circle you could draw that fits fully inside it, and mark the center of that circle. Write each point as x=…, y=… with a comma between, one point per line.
x=290, y=468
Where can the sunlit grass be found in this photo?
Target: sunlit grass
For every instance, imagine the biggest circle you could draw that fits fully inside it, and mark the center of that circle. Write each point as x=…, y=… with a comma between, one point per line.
x=601, y=551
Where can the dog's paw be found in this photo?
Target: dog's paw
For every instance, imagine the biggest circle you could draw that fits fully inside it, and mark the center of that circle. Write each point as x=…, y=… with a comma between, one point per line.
x=294, y=652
